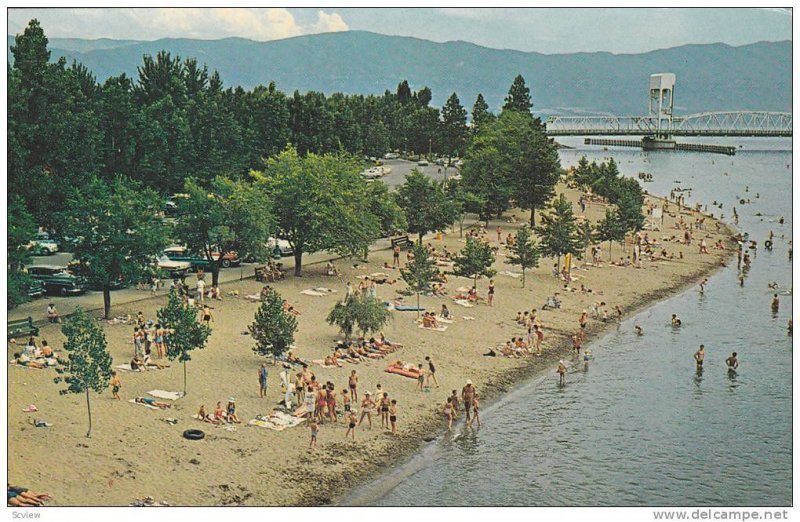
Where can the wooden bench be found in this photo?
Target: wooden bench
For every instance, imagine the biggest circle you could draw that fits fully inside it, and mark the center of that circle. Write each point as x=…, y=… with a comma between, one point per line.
x=22, y=327
x=401, y=241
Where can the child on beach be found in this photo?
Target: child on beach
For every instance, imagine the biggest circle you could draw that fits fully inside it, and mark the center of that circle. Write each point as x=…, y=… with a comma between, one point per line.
x=346, y=401
x=384, y=409
x=219, y=413
x=475, y=416
x=312, y=425
x=116, y=384
x=230, y=410
x=448, y=413
x=421, y=378
x=393, y=416
x=353, y=383
x=351, y=427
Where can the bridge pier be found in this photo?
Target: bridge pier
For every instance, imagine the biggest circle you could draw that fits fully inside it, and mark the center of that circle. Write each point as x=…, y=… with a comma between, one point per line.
x=655, y=144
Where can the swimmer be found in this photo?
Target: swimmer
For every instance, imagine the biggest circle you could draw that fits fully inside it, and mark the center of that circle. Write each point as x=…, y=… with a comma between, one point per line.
x=703, y=285
x=732, y=362
x=776, y=303
x=675, y=320
x=638, y=330
x=700, y=355
x=562, y=370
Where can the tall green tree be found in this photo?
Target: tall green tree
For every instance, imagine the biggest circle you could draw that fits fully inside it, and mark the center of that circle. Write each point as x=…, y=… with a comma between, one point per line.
x=464, y=202
x=519, y=97
x=524, y=253
x=319, y=203
x=21, y=230
x=185, y=332
x=480, y=114
x=425, y=204
x=231, y=216
x=419, y=272
x=383, y=205
x=273, y=328
x=366, y=313
x=558, y=232
x=454, y=127
x=116, y=230
x=475, y=260
x=610, y=228
x=88, y=364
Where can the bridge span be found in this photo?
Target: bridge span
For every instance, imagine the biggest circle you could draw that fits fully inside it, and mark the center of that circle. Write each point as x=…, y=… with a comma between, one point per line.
x=732, y=123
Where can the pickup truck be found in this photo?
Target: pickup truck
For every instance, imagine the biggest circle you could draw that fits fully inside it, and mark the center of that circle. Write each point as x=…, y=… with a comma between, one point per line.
x=179, y=253
x=57, y=279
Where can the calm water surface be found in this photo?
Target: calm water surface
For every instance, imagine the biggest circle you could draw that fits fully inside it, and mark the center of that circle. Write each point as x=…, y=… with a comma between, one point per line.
x=639, y=426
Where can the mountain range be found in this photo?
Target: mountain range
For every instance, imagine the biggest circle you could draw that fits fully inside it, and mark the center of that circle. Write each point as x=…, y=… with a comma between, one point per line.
x=710, y=77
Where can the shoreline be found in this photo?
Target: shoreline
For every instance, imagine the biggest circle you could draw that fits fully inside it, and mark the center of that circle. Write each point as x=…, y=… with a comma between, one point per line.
x=494, y=390
x=260, y=467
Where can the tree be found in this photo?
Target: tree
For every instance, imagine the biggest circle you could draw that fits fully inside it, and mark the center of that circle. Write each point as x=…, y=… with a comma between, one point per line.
x=273, y=328
x=419, y=272
x=232, y=216
x=383, y=206
x=185, y=332
x=116, y=230
x=425, y=204
x=485, y=175
x=519, y=97
x=21, y=230
x=610, y=228
x=629, y=200
x=454, y=127
x=475, y=260
x=559, y=232
x=586, y=233
x=320, y=202
x=464, y=201
x=366, y=313
x=480, y=114
x=88, y=363
x=524, y=252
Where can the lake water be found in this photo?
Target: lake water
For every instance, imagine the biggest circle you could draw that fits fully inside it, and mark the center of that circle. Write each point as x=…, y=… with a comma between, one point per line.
x=639, y=426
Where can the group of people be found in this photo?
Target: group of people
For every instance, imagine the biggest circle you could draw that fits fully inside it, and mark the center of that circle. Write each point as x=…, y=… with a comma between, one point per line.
x=36, y=355
x=468, y=403
x=220, y=415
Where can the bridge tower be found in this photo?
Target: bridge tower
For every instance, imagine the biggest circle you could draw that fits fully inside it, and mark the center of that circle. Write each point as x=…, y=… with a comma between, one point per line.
x=662, y=91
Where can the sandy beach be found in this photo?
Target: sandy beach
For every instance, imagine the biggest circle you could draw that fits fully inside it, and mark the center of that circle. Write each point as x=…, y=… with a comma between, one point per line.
x=134, y=453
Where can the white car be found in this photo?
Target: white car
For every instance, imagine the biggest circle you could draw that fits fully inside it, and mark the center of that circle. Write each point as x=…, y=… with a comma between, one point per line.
x=41, y=244
x=282, y=245
x=422, y=163
x=174, y=268
x=391, y=155
x=373, y=173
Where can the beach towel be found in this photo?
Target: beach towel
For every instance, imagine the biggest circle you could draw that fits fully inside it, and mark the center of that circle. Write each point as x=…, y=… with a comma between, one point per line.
x=133, y=401
x=467, y=317
x=413, y=374
x=313, y=292
x=440, y=329
x=253, y=297
x=162, y=394
x=324, y=289
x=126, y=368
x=30, y=408
x=509, y=273
x=409, y=308
x=464, y=303
x=445, y=321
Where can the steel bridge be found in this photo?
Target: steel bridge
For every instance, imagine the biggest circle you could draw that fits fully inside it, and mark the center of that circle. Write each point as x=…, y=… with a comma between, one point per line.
x=741, y=123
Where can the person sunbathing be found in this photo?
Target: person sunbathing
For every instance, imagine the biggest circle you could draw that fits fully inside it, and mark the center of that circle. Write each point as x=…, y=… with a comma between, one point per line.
x=230, y=412
x=429, y=321
x=23, y=360
x=207, y=417
x=289, y=308
x=19, y=496
x=152, y=402
x=387, y=342
x=361, y=351
x=473, y=294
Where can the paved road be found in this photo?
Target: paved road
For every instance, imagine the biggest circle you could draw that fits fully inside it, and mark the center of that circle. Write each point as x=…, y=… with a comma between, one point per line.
x=94, y=300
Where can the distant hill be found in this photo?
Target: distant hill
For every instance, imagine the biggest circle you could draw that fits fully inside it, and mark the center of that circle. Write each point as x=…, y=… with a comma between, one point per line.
x=710, y=77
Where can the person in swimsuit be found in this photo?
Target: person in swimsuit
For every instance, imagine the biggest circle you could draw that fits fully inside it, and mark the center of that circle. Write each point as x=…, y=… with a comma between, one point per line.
x=732, y=362
x=262, y=380
x=475, y=416
x=206, y=316
x=431, y=372
x=322, y=405
x=638, y=330
x=312, y=425
x=699, y=356
x=675, y=320
x=576, y=345
x=448, y=413
x=420, y=378
x=366, y=409
x=396, y=256
x=219, y=414
x=353, y=383
x=776, y=303
x=582, y=321
x=393, y=416
x=159, y=340
x=351, y=427
x=332, y=404
x=384, y=406
x=467, y=394
x=309, y=401
x=490, y=296
x=230, y=411
x=346, y=401
x=152, y=402
x=116, y=384
x=562, y=370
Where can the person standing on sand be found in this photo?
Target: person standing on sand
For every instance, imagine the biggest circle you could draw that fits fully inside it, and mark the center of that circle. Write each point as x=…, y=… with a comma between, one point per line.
x=562, y=370
x=499, y=234
x=384, y=410
x=420, y=378
x=396, y=256
x=448, y=413
x=467, y=395
x=312, y=425
x=431, y=371
x=539, y=338
x=351, y=426
x=393, y=416
x=116, y=384
x=582, y=322
x=699, y=356
x=353, y=383
x=262, y=380
x=490, y=296
x=366, y=409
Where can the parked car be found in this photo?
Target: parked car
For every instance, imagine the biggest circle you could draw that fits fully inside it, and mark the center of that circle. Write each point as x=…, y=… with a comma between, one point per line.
x=43, y=245
x=57, y=279
x=34, y=289
x=373, y=173
x=174, y=269
x=180, y=253
x=391, y=155
x=422, y=163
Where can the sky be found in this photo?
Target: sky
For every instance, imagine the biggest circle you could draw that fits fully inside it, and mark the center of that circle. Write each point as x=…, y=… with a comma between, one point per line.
x=545, y=30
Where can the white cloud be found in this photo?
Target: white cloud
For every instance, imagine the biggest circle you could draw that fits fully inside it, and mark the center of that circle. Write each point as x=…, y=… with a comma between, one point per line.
x=153, y=23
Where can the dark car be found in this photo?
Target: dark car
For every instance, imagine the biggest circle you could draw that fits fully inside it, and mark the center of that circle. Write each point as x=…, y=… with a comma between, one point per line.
x=78, y=270
x=35, y=289
x=57, y=279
